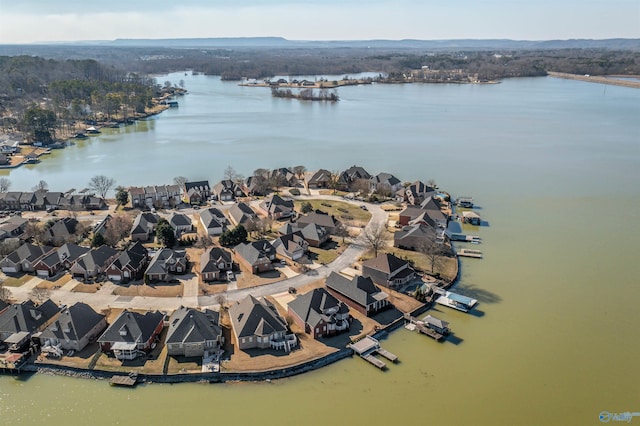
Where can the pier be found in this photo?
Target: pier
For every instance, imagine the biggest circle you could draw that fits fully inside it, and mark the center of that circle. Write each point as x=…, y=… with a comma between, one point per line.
x=129, y=380
x=416, y=324
x=470, y=253
x=368, y=347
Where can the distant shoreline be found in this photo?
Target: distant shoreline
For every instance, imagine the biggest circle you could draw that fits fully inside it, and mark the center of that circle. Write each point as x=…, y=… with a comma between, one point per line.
x=597, y=79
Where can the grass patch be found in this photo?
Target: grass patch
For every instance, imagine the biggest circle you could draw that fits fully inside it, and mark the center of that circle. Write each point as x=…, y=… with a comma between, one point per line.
x=447, y=267
x=155, y=290
x=49, y=285
x=327, y=253
x=86, y=288
x=344, y=212
x=17, y=281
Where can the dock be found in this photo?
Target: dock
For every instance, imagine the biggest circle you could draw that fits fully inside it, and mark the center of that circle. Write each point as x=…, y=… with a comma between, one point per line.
x=416, y=324
x=129, y=380
x=368, y=347
x=474, y=239
x=469, y=253
x=456, y=301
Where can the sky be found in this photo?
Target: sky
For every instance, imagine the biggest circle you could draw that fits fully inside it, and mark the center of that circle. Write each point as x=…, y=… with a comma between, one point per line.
x=32, y=21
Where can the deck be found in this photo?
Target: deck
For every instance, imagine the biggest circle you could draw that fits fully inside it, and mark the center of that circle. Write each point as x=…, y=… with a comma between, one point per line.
x=416, y=324
x=368, y=347
x=129, y=380
x=470, y=253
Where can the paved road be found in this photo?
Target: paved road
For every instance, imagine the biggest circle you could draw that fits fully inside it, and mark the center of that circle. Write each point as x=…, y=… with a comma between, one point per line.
x=104, y=298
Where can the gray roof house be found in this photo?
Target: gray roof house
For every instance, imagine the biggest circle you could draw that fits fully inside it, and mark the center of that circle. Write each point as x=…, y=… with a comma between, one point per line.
x=128, y=264
x=227, y=190
x=61, y=231
x=325, y=220
x=196, y=192
x=242, y=213
x=292, y=246
x=257, y=324
x=385, y=179
x=277, y=207
x=256, y=256
x=144, y=226
x=319, y=313
x=94, y=262
x=165, y=263
x=413, y=237
x=358, y=292
x=192, y=333
x=320, y=179
x=20, y=320
x=24, y=258
x=313, y=234
x=132, y=334
x=213, y=262
x=213, y=221
x=180, y=223
x=74, y=329
x=388, y=270
x=351, y=175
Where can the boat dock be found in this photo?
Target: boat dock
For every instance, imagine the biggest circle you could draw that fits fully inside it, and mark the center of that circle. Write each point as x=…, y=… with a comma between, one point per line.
x=469, y=253
x=415, y=324
x=456, y=301
x=474, y=239
x=368, y=347
x=128, y=380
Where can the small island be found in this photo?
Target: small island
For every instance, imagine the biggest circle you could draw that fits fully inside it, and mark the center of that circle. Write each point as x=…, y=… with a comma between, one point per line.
x=280, y=273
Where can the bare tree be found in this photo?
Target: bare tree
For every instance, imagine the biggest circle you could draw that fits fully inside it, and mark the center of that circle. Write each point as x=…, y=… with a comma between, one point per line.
x=41, y=186
x=117, y=228
x=102, y=184
x=361, y=186
x=334, y=180
x=374, y=237
x=221, y=300
x=230, y=173
x=341, y=231
x=434, y=251
x=39, y=295
x=432, y=183
x=180, y=180
x=5, y=184
x=299, y=171
x=35, y=231
x=5, y=293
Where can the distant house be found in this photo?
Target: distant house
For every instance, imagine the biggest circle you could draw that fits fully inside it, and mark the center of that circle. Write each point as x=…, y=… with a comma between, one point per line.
x=319, y=313
x=13, y=227
x=196, y=192
x=358, y=292
x=11, y=200
x=154, y=196
x=19, y=321
x=61, y=231
x=320, y=179
x=24, y=258
x=242, y=213
x=93, y=263
x=227, y=190
x=132, y=334
x=129, y=264
x=192, y=333
x=257, y=324
x=27, y=199
x=388, y=270
x=385, y=180
x=144, y=226
x=214, y=262
x=351, y=176
x=284, y=177
x=256, y=256
x=277, y=207
x=165, y=263
x=314, y=235
x=328, y=222
x=213, y=221
x=415, y=193
x=291, y=246
x=180, y=223
x=74, y=329
x=414, y=237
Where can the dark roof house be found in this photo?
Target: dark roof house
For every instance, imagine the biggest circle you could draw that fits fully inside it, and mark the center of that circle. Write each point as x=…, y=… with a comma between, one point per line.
x=192, y=333
x=319, y=313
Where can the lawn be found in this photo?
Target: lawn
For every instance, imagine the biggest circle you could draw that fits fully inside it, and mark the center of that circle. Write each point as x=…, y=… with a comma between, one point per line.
x=247, y=279
x=154, y=290
x=49, y=285
x=447, y=267
x=345, y=212
x=327, y=253
x=17, y=281
x=86, y=288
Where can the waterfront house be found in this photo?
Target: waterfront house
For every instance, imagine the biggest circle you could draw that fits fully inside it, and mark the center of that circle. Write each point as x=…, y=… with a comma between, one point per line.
x=350, y=176
x=242, y=214
x=46, y=200
x=257, y=324
x=24, y=258
x=434, y=211
x=196, y=192
x=327, y=221
x=385, y=180
x=159, y=196
x=213, y=221
x=318, y=313
x=165, y=263
x=11, y=200
x=277, y=207
x=214, y=262
x=415, y=193
x=93, y=263
x=320, y=179
x=360, y=293
x=292, y=246
x=192, y=333
x=20, y=320
x=227, y=190
x=27, y=199
x=132, y=334
x=415, y=237
x=128, y=264
x=256, y=256
x=73, y=329
x=137, y=197
x=284, y=177
x=180, y=223
x=144, y=226
x=388, y=270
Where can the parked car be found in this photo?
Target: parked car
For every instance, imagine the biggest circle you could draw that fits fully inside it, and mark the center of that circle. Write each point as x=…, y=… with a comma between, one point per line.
x=230, y=276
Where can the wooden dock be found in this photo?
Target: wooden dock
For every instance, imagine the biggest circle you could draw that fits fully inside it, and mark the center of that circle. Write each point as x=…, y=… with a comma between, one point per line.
x=129, y=380
x=368, y=347
x=419, y=325
x=470, y=253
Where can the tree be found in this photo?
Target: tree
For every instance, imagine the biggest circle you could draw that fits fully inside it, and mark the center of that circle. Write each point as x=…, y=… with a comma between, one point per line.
x=180, y=180
x=102, y=184
x=39, y=295
x=41, y=186
x=40, y=123
x=230, y=173
x=97, y=240
x=434, y=251
x=374, y=237
x=362, y=187
x=341, y=230
x=117, y=228
x=165, y=233
x=334, y=180
x=5, y=293
x=306, y=207
x=299, y=171
x=5, y=184
x=122, y=196
x=233, y=237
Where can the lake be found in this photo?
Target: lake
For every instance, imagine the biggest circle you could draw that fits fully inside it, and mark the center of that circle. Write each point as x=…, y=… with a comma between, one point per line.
x=554, y=166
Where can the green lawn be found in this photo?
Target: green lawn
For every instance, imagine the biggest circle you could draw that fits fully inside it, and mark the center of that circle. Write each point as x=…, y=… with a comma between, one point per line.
x=328, y=253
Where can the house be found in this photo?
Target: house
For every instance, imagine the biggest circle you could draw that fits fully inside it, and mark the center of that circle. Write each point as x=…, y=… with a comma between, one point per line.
x=414, y=237
x=193, y=333
x=227, y=190
x=93, y=263
x=101, y=227
x=213, y=221
x=73, y=329
x=388, y=270
x=413, y=215
x=314, y=235
x=11, y=201
x=46, y=200
x=277, y=207
x=385, y=180
x=13, y=227
x=292, y=246
x=27, y=199
x=180, y=223
x=165, y=263
x=319, y=313
x=61, y=231
x=19, y=321
x=415, y=193
x=144, y=226
x=283, y=177
x=433, y=208
x=327, y=221
x=24, y=258
x=132, y=334
x=196, y=192
x=161, y=196
x=358, y=292
x=129, y=264
x=256, y=256
x=242, y=214
x=351, y=176
x=257, y=324
x=214, y=262
x=137, y=196
x=69, y=253
x=49, y=265
x=320, y=179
